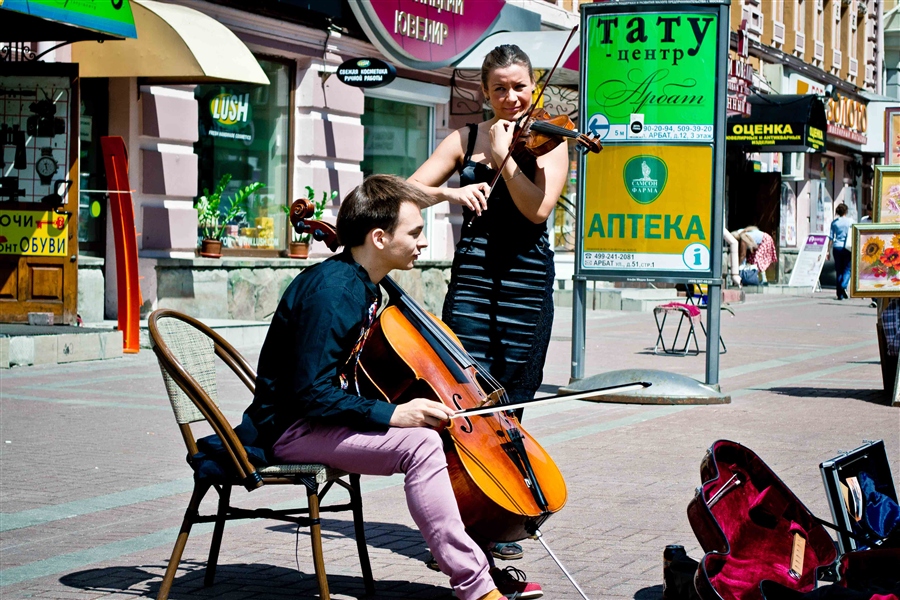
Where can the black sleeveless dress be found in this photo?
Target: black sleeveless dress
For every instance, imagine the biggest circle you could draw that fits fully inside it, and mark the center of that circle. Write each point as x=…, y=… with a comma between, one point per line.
x=500, y=299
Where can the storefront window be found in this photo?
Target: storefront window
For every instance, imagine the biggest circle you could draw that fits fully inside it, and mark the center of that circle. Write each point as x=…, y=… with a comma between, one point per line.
x=245, y=132
x=92, y=200
x=397, y=137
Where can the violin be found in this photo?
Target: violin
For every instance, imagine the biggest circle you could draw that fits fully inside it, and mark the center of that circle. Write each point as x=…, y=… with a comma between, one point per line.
x=544, y=132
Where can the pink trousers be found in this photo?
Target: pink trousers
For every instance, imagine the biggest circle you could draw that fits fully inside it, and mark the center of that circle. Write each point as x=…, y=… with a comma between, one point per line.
x=418, y=452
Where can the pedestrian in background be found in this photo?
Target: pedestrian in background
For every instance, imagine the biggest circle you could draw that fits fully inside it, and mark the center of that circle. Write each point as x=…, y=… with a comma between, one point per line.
x=500, y=298
x=840, y=248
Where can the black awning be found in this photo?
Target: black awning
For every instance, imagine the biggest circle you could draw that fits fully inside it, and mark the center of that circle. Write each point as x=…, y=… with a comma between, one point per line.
x=780, y=123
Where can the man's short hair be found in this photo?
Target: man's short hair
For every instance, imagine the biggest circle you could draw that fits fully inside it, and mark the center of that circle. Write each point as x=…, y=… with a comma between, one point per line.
x=841, y=209
x=374, y=204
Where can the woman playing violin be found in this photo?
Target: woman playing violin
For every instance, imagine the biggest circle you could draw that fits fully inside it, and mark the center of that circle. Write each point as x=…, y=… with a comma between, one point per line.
x=500, y=298
x=500, y=301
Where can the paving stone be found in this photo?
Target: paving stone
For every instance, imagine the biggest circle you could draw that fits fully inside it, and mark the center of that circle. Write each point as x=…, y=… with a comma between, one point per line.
x=630, y=470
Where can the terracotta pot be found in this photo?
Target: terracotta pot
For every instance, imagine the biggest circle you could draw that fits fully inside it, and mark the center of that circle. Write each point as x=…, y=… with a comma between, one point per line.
x=298, y=249
x=211, y=248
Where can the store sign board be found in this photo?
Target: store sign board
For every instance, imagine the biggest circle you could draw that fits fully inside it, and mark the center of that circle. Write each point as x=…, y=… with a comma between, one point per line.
x=426, y=34
x=648, y=208
x=230, y=115
x=106, y=16
x=847, y=118
x=33, y=233
x=651, y=75
x=366, y=72
x=774, y=135
x=809, y=263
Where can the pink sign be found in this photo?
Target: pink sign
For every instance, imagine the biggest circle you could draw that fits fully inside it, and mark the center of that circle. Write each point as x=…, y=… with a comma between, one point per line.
x=426, y=33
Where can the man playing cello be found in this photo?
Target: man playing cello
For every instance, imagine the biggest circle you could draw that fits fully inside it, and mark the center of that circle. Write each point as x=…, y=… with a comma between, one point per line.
x=307, y=407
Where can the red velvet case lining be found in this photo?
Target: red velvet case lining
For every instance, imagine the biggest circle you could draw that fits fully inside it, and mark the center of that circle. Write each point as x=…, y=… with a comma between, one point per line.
x=748, y=532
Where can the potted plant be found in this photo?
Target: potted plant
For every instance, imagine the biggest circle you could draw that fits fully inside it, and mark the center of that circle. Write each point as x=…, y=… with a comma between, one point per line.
x=213, y=216
x=299, y=244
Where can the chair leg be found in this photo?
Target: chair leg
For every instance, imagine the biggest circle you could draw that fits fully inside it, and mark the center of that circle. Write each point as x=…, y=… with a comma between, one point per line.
x=360, y=532
x=315, y=536
x=180, y=542
x=213, y=561
x=659, y=337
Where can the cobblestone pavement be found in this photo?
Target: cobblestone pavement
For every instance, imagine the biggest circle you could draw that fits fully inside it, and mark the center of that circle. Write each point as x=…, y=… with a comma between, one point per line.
x=93, y=482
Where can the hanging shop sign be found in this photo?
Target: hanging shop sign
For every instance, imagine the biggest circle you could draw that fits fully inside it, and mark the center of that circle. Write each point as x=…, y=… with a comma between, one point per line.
x=105, y=16
x=230, y=116
x=366, y=72
x=780, y=123
x=847, y=118
x=652, y=76
x=426, y=34
x=647, y=208
x=740, y=76
x=33, y=233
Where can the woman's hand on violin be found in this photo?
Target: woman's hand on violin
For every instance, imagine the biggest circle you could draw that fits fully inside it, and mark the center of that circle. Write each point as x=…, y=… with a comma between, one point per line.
x=474, y=197
x=421, y=412
x=502, y=134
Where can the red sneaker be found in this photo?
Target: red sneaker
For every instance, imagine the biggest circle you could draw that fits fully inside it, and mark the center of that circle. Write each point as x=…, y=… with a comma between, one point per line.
x=511, y=582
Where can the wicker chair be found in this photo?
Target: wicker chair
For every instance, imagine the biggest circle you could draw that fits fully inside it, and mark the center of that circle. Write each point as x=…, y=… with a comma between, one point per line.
x=186, y=350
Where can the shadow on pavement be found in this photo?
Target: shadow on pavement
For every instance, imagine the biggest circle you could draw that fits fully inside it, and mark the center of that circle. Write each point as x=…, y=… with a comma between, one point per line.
x=236, y=580
x=866, y=395
x=649, y=593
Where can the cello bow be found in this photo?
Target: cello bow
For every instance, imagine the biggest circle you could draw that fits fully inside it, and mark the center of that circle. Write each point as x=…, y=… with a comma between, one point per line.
x=586, y=395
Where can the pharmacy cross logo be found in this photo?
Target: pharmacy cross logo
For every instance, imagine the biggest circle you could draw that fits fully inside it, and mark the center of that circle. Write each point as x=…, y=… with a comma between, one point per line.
x=645, y=178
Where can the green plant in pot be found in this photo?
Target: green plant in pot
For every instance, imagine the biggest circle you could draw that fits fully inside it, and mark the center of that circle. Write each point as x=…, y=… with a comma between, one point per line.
x=300, y=242
x=214, y=213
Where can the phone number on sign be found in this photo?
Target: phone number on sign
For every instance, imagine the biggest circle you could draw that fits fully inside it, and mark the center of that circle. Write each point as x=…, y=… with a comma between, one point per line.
x=618, y=260
x=679, y=132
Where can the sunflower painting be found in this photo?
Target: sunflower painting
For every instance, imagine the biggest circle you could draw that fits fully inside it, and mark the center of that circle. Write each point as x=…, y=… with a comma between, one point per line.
x=876, y=261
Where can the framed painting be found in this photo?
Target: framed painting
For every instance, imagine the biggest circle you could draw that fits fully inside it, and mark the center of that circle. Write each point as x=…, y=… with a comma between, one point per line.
x=886, y=207
x=892, y=136
x=875, y=265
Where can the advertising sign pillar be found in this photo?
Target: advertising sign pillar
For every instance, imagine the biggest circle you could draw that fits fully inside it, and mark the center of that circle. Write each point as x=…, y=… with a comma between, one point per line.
x=653, y=87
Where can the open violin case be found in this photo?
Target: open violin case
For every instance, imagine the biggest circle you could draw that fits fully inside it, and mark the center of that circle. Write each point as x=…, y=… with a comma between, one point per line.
x=762, y=543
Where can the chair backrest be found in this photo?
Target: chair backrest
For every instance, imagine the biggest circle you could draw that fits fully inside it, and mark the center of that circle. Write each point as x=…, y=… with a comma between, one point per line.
x=186, y=350
x=194, y=352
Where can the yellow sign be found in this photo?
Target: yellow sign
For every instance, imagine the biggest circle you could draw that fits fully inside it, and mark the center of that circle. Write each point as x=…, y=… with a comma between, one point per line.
x=648, y=208
x=33, y=233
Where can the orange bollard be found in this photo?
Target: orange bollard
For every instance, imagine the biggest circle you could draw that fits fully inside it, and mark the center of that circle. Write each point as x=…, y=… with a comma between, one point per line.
x=115, y=159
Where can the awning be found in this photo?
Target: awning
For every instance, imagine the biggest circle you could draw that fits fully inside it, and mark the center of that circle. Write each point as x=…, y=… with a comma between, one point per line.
x=780, y=123
x=29, y=20
x=542, y=47
x=174, y=44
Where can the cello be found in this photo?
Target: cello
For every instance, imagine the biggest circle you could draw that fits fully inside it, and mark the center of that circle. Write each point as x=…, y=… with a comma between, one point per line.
x=505, y=484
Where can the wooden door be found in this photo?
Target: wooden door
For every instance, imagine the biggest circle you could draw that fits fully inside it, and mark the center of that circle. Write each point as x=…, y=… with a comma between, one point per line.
x=39, y=131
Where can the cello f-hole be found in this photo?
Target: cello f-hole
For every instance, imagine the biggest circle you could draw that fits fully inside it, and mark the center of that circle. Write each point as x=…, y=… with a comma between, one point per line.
x=467, y=428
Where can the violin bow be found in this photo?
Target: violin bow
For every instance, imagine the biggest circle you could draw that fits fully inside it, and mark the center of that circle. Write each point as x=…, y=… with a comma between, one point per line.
x=613, y=389
x=526, y=116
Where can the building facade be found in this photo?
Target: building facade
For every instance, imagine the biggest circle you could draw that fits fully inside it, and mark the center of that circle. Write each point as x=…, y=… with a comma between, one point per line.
x=306, y=130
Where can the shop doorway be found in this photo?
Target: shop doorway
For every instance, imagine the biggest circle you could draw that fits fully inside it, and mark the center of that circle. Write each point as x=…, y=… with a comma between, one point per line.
x=38, y=193
x=755, y=199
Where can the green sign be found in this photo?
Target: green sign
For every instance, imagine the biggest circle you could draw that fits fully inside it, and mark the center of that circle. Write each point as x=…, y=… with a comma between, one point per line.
x=106, y=16
x=652, y=76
